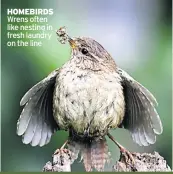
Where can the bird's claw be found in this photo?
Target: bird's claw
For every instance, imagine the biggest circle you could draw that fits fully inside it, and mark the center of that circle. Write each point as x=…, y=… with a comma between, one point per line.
x=57, y=151
x=128, y=157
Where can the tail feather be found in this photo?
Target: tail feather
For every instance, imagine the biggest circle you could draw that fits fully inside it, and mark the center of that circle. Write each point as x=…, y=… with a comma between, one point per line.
x=86, y=154
x=94, y=154
x=99, y=154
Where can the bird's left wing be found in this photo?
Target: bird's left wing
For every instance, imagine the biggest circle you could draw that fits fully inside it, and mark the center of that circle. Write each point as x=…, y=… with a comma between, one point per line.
x=36, y=123
x=141, y=117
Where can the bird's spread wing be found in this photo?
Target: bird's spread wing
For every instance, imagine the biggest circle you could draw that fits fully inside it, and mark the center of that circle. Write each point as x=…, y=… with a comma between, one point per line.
x=36, y=123
x=141, y=117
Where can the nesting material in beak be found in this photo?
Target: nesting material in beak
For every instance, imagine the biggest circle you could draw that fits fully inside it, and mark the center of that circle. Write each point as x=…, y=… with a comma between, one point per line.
x=63, y=37
x=72, y=43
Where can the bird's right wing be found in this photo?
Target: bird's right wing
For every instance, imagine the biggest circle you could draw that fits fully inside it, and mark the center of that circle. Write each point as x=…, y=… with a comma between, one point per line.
x=36, y=123
x=141, y=117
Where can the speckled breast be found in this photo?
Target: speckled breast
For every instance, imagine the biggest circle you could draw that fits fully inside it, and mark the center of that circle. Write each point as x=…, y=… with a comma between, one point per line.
x=88, y=103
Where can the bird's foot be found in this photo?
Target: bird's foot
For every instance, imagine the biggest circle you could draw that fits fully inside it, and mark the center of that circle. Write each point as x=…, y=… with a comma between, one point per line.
x=62, y=149
x=127, y=157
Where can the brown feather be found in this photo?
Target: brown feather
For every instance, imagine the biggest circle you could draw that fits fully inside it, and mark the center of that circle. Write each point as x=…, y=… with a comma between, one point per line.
x=94, y=154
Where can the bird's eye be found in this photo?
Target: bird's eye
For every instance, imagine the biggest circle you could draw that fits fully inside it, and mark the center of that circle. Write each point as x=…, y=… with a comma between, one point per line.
x=84, y=51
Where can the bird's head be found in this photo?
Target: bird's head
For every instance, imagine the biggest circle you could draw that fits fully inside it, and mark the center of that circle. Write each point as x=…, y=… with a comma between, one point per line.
x=87, y=53
x=91, y=53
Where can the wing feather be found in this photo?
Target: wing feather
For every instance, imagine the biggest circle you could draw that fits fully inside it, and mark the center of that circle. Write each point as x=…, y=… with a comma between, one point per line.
x=141, y=117
x=36, y=123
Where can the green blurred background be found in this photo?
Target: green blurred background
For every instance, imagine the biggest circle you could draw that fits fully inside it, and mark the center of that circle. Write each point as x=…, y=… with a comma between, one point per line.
x=137, y=33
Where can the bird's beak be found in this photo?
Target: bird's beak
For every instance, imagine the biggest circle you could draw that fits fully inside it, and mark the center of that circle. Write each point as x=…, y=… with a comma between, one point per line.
x=72, y=43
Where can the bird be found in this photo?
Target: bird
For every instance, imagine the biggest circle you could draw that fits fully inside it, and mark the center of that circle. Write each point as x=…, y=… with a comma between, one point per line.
x=88, y=96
